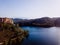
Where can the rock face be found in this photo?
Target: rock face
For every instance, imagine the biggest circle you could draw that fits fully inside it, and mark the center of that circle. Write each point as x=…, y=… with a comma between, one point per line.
x=6, y=20
x=42, y=22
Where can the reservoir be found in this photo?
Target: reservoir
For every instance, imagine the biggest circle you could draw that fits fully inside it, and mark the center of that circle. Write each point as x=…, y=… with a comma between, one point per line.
x=42, y=36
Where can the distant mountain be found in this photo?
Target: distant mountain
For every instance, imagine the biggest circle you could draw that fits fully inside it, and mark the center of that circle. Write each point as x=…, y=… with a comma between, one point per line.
x=42, y=22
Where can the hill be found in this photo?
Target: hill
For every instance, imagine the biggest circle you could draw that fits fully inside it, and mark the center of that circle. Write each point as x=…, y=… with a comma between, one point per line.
x=11, y=34
x=41, y=22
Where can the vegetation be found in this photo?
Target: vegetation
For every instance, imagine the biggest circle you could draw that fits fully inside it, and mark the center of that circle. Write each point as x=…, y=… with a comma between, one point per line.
x=11, y=34
x=39, y=22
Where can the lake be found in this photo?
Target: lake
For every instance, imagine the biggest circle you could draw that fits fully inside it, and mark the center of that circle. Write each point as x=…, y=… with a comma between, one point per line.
x=42, y=36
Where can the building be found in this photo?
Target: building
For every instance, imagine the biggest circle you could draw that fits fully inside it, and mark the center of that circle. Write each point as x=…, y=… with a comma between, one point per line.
x=6, y=20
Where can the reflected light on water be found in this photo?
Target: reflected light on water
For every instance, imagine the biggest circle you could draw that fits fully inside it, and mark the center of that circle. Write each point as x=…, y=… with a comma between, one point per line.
x=58, y=35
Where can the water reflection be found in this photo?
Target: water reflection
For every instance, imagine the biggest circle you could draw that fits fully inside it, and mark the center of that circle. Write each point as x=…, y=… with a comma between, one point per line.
x=42, y=36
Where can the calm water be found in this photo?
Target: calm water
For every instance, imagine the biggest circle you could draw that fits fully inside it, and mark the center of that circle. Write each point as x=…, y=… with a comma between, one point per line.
x=42, y=36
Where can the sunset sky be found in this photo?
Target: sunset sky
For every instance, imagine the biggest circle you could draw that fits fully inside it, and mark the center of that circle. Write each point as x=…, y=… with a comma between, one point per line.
x=29, y=8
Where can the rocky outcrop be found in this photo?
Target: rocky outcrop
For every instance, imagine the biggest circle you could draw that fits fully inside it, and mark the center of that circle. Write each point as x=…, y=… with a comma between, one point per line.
x=6, y=20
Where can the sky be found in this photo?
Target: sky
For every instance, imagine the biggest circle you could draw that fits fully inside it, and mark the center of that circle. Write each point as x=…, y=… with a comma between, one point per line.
x=29, y=8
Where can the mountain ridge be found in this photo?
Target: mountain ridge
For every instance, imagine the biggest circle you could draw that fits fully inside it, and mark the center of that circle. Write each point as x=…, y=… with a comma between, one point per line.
x=42, y=22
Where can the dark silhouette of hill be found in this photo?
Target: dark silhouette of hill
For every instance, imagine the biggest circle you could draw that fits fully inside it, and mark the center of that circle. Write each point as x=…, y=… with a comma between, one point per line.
x=41, y=22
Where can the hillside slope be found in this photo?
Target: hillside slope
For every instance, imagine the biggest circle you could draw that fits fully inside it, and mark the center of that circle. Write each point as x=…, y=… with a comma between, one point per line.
x=11, y=34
